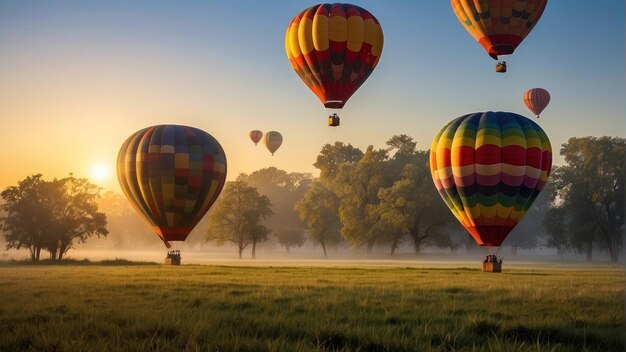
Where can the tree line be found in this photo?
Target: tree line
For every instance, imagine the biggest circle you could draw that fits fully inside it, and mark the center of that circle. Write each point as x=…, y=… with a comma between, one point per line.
x=365, y=198
x=385, y=197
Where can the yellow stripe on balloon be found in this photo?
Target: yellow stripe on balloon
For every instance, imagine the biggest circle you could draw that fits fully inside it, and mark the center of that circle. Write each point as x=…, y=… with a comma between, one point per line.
x=483, y=138
x=338, y=29
x=294, y=43
x=488, y=214
x=305, y=30
x=377, y=47
x=514, y=140
x=356, y=33
x=320, y=32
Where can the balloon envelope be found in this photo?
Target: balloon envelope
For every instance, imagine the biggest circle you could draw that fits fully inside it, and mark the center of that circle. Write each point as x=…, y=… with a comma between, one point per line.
x=489, y=168
x=255, y=136
x=334, y=48
x=536, y=99
x=498, y=25
x=172, y=175
x=273, y=140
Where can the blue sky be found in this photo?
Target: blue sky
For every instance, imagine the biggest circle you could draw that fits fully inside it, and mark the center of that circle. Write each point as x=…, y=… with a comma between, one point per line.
x=78, y=77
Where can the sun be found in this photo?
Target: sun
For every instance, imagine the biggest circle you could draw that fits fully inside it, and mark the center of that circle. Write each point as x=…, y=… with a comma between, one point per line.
x=100, y=172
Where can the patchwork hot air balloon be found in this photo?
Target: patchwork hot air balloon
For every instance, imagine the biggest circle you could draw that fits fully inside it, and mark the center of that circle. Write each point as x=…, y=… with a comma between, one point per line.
x=489, y=167
x=172, y=175
x=536, y=99
x=499, y=25
x=255, y=136
x=334, y=48
x=273, y=140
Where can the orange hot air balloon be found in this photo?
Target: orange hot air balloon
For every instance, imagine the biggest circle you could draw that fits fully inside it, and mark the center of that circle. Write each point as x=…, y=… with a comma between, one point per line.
x=255, y=136
x=172, y=175
x=536, y=99
x=499, y=25
x=334, y=48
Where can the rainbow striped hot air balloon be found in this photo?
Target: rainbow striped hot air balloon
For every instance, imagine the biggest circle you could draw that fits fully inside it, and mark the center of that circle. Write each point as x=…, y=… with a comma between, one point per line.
x=334, y=48
x=489, y=168
x=172, y=175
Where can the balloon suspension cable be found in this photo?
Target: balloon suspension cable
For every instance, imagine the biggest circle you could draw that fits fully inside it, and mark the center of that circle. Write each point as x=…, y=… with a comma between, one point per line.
x=498, y=251
x=486, y=250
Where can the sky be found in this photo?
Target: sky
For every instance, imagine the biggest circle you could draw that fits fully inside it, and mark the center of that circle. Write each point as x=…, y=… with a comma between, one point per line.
x=78, y=77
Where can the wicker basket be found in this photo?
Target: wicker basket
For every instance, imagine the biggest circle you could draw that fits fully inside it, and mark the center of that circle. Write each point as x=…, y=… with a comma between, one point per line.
x=492, y=267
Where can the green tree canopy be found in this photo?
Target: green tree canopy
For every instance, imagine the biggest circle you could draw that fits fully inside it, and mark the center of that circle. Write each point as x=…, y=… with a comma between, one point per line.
x=237, y=215
x=412, y=205
x=358, y=185
x=589, y=196
x=51, y=215
x=332, y=156
x=318, y=209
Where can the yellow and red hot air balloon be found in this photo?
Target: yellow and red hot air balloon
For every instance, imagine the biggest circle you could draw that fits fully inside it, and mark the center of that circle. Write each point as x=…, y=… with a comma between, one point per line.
x=172, y=175
x=499, y=25
x=272, y=141
x=334, y=48
x=489, y=168
x=255, y=136
x=536, y=99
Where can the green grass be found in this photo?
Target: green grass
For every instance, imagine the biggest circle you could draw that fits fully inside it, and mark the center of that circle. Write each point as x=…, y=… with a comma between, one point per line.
x=212, y=308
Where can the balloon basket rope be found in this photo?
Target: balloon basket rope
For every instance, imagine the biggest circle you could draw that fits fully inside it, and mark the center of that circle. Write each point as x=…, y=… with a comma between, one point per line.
x=172, y=258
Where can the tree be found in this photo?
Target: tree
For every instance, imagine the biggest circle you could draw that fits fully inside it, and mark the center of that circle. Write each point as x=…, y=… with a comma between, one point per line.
x=289, y=237
x=236, y=217
x=26, y=219
x=75, y=215
x=283, y=190
x=318, y=209
x=589, y=195
x=331, y=157
x=529, y=231
x=358, y=185
x=413, y=207
x=51, y=215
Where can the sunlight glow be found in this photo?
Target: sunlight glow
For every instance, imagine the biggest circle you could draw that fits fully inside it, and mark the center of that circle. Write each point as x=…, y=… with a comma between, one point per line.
x=99, y=172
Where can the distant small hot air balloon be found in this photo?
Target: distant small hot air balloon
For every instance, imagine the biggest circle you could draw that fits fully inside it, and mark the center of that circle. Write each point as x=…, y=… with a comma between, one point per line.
x=489, y=168
x=499, y=25
x=536, y=99
x=334, y=48
x=255, y=136
x=171, y=175
x=273, y=140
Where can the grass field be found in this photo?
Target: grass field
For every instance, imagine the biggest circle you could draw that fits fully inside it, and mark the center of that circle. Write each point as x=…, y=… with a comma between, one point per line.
x=220, y=308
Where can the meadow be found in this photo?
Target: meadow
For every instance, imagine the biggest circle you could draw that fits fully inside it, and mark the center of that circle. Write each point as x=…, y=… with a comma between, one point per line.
x=238, y=308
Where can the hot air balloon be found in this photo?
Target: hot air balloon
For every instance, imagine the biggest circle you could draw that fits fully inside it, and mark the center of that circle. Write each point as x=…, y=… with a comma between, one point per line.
x=273, y=140
x=255, y=136
x=171, y=175
x=489, y=167
x=499, y=25
x=536, y=99
x=334, y=48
